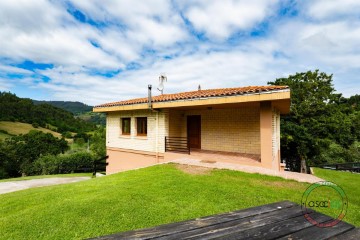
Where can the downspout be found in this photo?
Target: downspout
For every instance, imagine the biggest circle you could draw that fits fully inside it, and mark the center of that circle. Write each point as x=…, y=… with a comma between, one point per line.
x=149, y=97
x=157, y=137
x=157, y=124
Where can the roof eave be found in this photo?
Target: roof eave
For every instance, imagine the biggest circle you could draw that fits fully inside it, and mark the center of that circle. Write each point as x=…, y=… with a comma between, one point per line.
x=249, y=97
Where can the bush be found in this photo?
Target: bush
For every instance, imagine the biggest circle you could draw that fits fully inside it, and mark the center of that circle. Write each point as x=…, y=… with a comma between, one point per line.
x=3, y=173
x=35, y=125
x=66, y=163
x=79, y=141
x=66, y=134
x=334, y=153
x=48, y=164
x=354, y=152
x=3, y=131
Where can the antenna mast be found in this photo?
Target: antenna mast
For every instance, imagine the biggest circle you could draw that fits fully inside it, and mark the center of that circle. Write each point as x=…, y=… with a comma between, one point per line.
x=162, y=79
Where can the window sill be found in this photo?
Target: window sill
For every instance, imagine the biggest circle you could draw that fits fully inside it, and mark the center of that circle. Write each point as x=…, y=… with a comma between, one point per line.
x=141, y=137
x=125, y=136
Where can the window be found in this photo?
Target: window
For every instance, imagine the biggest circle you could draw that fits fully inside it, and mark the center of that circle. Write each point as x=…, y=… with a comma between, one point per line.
x=141, y=126
x=125, y=126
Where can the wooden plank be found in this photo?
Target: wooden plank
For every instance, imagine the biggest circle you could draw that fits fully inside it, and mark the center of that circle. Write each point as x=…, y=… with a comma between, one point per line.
x=353, y=234
x=176, y=145
x=315, y=232
x=172, y=228
x=218, y=231
x=275, y=230
x=177, y=150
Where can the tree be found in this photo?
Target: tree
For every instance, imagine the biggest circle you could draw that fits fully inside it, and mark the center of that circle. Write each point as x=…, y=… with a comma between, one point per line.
x=317, y=118
x=13, y=108
x=98, y=142
x=21, y=151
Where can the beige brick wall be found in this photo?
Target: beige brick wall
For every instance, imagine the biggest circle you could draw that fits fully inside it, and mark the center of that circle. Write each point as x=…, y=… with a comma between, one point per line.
x=157, y=128
x=232, y=130
x=177, y=123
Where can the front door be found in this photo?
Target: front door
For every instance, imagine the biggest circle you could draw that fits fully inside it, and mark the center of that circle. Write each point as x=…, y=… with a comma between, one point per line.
x=194, y=131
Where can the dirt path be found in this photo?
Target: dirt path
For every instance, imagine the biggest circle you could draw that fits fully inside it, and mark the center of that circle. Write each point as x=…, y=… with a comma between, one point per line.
x=6, y=187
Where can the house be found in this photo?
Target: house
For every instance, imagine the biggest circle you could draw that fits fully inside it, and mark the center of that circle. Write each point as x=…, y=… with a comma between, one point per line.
x=240, y=125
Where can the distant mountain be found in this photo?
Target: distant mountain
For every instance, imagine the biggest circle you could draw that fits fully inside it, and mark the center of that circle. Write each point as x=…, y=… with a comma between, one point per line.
x=74, y=107
x=79, y=109
x=15, y=109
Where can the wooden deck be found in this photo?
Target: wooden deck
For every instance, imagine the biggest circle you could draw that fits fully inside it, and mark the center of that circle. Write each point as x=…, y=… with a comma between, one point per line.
x=282, y=220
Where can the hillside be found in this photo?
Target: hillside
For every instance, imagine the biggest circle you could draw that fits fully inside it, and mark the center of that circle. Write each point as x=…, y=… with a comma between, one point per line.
x=73, y=107
x=96, y=118
x=79, y=109
x=9, y=129
x=15, y=109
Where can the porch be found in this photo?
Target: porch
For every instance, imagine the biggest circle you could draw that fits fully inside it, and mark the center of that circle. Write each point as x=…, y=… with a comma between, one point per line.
x=244, y=134
x=212, y=157
x=241, y=123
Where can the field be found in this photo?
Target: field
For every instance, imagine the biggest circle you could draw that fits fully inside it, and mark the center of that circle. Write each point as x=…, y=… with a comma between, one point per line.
x=16, y=128
x=144, y=198
x=4, y=136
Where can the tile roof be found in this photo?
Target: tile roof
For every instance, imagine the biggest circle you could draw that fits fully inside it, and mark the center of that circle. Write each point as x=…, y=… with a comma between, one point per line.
x=220, y=92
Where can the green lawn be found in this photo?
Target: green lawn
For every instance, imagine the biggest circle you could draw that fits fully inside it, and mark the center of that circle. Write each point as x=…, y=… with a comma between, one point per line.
x=47, y=176
x=350, y=183
x=137, y=199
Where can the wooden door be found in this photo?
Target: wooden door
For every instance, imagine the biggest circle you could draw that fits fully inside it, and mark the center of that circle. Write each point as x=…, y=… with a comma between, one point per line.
x=194, y=131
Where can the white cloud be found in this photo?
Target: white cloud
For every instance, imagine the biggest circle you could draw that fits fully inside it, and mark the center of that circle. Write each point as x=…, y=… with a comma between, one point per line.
x=5, y=85
x=144, y=32
x=11, y=69
x=210, y=70
x=222, y=18
x=325, y=9
x=146, y=23
x=37, y=31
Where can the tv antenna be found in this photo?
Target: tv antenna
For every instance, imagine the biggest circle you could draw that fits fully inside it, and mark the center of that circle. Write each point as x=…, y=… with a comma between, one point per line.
x=162, y=79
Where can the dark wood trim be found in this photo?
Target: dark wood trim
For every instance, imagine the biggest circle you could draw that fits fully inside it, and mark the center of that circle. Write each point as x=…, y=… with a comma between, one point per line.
x=143, y=121
x=196, y=119
x=122, y=126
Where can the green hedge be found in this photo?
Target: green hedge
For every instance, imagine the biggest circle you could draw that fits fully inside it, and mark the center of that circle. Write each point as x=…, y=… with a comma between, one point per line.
x=66, y=163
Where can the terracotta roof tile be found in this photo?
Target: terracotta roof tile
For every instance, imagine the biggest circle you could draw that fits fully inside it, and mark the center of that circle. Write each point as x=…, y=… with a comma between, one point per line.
x=197, y=94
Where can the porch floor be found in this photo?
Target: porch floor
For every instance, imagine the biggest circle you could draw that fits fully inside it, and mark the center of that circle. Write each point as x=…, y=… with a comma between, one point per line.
x=234, y=161
x=300, y=177
x=218, y=156
x=206, y=156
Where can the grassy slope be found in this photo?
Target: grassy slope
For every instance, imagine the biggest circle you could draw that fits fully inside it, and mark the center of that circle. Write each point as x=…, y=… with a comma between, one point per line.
x=47, y=176
x=350, y=183
x=3, y=136
x=135, y=199
x=16, y=128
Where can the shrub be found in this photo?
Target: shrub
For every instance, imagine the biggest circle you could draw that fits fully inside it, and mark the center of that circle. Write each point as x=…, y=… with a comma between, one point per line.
x=3, y=131
x=66, y=163
x=48, y=164
x=3, y=173
x=79, y=141
x=66, y=134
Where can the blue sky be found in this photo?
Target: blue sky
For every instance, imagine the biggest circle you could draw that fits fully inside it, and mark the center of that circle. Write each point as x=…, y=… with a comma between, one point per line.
x=101, y=51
